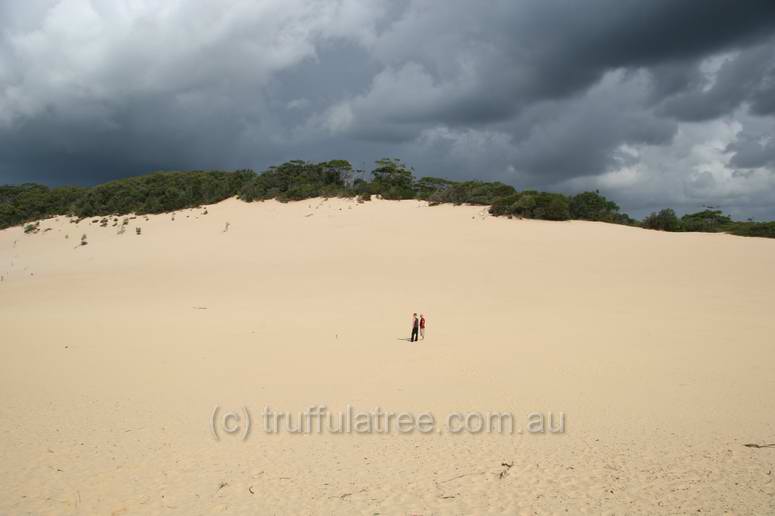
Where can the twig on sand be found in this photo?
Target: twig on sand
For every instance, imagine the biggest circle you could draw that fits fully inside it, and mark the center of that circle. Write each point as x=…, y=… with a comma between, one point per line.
x=459, y=476
x=506, y=469
x=199, y=307
x=754, y=445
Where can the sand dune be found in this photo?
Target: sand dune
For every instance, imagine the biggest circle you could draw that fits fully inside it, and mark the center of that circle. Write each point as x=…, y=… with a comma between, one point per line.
x=657, y=348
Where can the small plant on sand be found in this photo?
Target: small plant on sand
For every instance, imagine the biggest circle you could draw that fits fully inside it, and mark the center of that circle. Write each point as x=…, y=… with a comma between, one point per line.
x=32, y=228
x=122, y=227
x=83, y=239
x=226, y=228
x=138, y=230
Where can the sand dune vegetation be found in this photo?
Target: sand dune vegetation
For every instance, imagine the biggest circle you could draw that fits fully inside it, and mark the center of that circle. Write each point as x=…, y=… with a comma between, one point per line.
x=297, y=180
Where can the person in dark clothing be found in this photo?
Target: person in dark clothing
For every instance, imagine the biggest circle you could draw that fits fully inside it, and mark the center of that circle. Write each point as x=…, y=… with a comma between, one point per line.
x=415, y=328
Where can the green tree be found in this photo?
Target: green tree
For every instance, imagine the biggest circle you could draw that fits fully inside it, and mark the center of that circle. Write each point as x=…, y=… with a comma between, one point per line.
x=392, y=179
x=708, y=221
x=426, y=187
x=593, y=206
x=664, y=220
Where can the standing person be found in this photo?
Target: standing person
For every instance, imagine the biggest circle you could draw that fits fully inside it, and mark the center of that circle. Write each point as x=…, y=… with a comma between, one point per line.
x=415, y=327
x=422, y=326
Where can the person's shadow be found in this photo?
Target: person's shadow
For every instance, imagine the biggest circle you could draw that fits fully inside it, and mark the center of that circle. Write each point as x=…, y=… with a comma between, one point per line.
x=407, y=339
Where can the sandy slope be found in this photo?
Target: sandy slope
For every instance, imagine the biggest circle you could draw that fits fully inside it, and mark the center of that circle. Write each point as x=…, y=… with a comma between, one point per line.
x=657, y=347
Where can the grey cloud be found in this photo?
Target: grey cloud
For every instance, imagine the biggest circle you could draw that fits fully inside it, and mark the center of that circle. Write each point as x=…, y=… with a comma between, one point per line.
x=754, y=154
x=744, y=77
x=754, y=146
x=515, y=53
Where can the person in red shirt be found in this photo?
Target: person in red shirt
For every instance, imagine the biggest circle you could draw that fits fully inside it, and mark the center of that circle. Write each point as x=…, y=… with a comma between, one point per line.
x=422, y=326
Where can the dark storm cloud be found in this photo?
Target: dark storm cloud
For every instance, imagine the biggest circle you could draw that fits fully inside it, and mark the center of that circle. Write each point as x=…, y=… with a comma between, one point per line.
x=753, y=154
x=522, y=52
x=577, y=137
x=754, y=147
x=745, y=77
x=554, y=94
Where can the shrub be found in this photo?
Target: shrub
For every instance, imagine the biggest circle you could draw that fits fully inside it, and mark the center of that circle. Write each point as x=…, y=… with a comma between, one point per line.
x=753, y=229
x=664, y=220
x=505, y=205
x=524, y=206
x=557, y=208
x=425, y=187
x=593, y=206
x=26, y=202
x=392, y=180
x=161, y=192
x=471, y=192
x=706, y=221
x=533, y=205
x=297, y=180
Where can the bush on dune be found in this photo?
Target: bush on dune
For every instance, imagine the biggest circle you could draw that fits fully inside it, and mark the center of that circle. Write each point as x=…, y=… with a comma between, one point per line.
x=708, y=221
x=392, y=180
x=753, y=229
x=664, y=220
x=26, y=202
x=471, y=192
x=426, y=187
x=531, y=204
x=297, y=180
x=160, y=192
x=593, y=206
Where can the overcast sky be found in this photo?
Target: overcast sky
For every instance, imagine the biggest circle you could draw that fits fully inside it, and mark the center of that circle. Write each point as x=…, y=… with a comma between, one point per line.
x=653, y=102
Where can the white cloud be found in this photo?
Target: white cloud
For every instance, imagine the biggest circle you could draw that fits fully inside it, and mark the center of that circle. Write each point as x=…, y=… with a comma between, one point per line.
x=82, y=51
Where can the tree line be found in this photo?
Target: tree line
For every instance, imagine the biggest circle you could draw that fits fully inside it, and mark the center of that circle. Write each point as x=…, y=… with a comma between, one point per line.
x=161, y=192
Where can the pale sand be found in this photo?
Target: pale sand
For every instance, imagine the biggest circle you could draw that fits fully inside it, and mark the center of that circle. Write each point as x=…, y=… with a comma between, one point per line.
x=659, y=348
